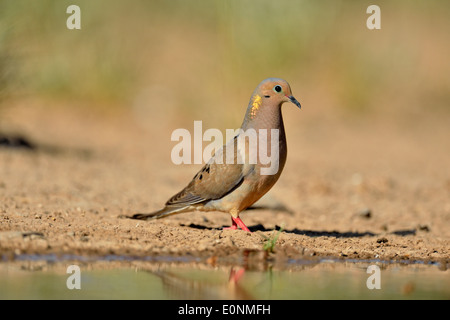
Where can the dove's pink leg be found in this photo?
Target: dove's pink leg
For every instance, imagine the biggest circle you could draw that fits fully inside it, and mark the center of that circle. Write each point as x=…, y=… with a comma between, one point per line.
x=241, y=224
x=237, y=222
x=232, y=227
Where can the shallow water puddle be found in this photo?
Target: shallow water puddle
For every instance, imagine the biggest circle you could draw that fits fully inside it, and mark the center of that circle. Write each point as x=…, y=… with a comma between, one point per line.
x=35, y=277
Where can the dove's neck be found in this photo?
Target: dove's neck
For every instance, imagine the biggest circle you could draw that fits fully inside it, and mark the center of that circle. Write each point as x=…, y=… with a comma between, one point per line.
x=268, y=124
x=264, y=117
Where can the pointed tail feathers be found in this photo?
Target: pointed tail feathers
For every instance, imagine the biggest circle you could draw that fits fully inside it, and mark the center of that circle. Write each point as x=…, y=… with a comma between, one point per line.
x=166, y=211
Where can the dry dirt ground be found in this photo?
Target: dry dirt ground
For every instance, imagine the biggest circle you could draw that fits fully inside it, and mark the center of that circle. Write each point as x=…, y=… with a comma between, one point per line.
x=351, y=189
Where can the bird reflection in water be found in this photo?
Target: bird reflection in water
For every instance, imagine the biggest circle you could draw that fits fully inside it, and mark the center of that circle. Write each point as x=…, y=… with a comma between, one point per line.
x=183, y=286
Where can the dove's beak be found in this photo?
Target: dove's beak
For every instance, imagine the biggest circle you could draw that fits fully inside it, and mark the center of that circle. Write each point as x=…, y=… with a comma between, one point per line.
x=294, y=101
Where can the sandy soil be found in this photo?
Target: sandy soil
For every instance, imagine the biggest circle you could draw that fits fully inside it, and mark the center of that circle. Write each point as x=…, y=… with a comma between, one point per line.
x=351, y=189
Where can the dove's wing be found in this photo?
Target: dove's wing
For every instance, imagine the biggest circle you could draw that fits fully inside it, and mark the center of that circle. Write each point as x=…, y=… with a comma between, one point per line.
x=214, y=180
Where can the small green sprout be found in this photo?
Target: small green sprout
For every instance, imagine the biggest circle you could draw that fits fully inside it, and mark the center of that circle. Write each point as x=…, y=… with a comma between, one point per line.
x=270, y=242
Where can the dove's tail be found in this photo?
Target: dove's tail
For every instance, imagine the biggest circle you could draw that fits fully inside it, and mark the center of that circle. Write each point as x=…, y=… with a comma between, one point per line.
x=166, y=211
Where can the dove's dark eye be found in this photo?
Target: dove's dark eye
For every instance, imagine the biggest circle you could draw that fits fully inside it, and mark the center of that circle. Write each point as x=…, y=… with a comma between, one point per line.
x=277, y=88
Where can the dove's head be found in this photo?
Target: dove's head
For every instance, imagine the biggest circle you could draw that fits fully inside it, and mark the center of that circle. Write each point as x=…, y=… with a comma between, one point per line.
x=274, y=91
x=267, y=99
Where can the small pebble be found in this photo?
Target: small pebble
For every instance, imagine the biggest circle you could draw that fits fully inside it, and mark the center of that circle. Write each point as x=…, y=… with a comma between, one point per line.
x=365, y=213
x=423, y=227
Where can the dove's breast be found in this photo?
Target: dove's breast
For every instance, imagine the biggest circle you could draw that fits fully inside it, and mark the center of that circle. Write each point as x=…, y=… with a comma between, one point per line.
x=254, y=184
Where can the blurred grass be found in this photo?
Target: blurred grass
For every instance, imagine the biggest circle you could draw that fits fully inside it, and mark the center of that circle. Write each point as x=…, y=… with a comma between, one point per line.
x=6, y=64
x=202, y=53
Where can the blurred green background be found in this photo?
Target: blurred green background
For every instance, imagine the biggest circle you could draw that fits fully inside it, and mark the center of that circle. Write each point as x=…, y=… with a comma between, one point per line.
x=186, y=56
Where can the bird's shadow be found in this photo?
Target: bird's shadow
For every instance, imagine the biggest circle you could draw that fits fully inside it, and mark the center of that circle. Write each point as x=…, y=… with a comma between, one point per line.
x=316, y=233
x=308, y=233
x=311, y=233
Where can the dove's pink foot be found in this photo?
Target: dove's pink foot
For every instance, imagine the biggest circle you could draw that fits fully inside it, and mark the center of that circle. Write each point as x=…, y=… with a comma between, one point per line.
x=235, y=223
x=232, y=227
x=235, y=275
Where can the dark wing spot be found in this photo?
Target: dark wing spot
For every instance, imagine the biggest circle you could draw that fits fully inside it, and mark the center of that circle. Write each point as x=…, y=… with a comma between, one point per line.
x=200, y=177
x=207, y=169
x=184, y=198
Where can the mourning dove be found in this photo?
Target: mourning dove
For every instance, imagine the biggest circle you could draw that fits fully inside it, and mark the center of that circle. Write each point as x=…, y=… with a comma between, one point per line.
x=238, y=174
